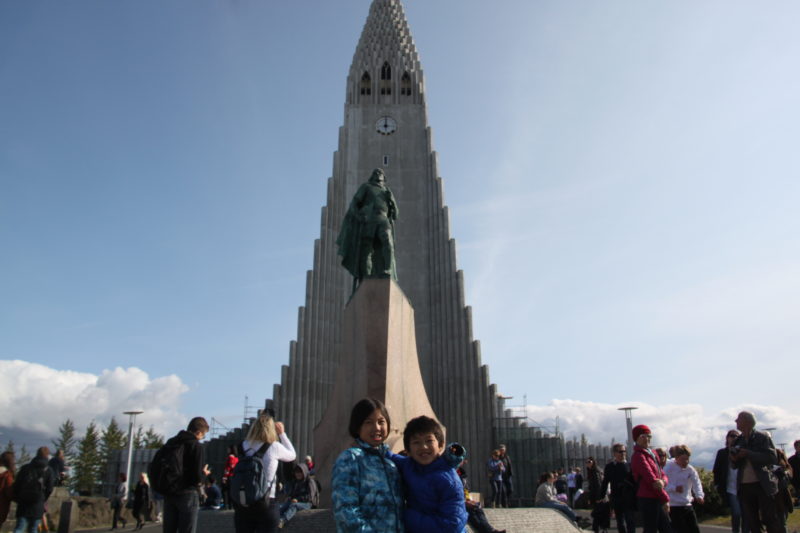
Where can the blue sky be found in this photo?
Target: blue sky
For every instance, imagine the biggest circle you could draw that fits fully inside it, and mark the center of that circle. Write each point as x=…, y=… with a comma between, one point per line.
x=622, y=179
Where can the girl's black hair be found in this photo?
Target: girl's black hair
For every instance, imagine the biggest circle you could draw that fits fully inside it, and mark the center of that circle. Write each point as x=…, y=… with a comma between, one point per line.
x=361, y=412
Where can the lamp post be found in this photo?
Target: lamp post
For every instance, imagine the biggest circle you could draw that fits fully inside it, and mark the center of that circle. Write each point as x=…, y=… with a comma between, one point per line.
x=131, y=420
x=629, y=424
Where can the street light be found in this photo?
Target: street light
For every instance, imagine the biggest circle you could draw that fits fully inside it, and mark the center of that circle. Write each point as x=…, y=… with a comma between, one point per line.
x=131, y=420
x=629, y=424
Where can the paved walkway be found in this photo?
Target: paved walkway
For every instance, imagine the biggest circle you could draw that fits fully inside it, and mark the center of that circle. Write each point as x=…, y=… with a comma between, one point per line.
x=523, y=520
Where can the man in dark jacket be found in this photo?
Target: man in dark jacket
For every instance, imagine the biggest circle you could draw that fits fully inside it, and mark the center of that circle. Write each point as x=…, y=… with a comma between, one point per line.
x=33, y=485
x=753, y=455
x=794, y=462
x=618, y=475
x=181, y=507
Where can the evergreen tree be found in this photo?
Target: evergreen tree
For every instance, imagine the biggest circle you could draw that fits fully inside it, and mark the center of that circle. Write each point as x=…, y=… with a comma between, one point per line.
x=138, y=439
x=152, y=439
x=113, y=439
x=10, y=447
x=88, y=463
x=24, y=457
x=66, y=441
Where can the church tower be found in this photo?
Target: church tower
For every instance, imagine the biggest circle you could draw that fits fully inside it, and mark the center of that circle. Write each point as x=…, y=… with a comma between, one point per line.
x=386, y=126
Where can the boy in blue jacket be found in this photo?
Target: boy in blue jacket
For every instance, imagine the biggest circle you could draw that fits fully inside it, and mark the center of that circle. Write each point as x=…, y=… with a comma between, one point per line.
x=434, y=493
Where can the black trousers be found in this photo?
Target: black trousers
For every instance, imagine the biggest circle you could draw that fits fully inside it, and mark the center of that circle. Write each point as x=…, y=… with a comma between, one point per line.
x=654, y=517
x=683, y=519
x=258, y=519
x=626, y=519
x=758, y=508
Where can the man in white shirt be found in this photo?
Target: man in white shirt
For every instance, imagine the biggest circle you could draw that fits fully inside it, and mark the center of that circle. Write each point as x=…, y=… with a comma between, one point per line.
x=684, y=487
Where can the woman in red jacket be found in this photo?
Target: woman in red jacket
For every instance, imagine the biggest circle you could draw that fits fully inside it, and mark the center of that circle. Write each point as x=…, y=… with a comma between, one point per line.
x=653, y=499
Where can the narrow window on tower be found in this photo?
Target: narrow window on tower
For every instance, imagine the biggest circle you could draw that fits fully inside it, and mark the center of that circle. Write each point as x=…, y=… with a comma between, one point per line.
x=405, y=85
x=386, y=160
x=386, y=78
x=366, y=84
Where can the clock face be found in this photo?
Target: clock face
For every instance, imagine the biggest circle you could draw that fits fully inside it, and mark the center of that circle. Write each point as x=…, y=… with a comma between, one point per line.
x=386, y=125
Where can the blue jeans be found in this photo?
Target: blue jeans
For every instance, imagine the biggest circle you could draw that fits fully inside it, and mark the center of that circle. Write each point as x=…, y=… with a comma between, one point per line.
x=563, y=507
x=180, y=512
x=26, y=525
x=289, y=509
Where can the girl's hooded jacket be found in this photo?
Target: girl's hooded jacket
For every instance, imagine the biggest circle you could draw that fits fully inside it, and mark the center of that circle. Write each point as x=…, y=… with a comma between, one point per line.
x=366, y=491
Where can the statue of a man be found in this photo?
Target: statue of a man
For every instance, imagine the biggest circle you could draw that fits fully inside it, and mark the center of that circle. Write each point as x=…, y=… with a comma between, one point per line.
x=366, y=240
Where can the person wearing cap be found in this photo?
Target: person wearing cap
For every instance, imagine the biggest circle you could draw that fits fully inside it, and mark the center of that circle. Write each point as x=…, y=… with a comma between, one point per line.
x=652, y=498
x=725, y=482
x=753, y=455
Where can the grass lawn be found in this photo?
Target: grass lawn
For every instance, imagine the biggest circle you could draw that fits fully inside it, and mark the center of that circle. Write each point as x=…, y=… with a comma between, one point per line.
x=792, y=524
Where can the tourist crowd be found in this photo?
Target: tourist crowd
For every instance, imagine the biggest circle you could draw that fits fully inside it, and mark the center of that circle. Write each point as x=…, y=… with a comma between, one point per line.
x=424, y=488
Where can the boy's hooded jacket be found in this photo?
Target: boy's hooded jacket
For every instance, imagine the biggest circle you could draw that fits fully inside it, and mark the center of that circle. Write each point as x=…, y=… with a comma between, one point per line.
x=305, y=490
x=366, y=491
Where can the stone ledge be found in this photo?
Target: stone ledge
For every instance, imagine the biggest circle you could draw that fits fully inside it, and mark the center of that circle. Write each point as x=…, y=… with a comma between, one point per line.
x=519, y=520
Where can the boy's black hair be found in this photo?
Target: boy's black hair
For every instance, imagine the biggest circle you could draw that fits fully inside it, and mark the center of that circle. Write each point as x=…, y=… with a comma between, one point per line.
x=196, y=424
x=420, y=426
x=210, y=479
x=361, y=412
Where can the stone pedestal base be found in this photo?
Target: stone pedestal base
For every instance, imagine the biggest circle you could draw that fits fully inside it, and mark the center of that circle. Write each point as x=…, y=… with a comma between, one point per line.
x=379, y=360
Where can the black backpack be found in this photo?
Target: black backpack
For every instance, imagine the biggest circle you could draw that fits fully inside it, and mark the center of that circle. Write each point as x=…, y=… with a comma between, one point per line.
x=29, y=485
x=249, y=484
x=166, y=469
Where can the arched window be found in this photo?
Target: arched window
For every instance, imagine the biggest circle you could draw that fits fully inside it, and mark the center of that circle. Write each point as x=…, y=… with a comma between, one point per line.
x=405, y=84
x=366, y=83
x=386, y=78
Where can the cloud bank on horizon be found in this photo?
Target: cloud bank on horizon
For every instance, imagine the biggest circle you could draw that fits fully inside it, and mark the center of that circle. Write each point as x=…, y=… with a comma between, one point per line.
x=38, y=399
x=672, y=424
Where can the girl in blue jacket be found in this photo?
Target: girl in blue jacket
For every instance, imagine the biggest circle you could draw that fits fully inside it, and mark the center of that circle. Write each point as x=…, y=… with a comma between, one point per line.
x=366, y=490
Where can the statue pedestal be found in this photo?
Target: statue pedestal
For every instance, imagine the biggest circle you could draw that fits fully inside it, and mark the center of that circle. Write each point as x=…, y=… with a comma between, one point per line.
x=378, y=360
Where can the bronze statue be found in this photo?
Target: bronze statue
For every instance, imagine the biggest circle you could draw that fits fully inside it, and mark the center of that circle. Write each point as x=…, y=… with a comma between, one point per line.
x=366, y=240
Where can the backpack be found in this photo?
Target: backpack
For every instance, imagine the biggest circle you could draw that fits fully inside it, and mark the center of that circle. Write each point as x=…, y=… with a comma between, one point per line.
x=314, y=490
x=249, y=484
x=166, y=469
x=29, y=485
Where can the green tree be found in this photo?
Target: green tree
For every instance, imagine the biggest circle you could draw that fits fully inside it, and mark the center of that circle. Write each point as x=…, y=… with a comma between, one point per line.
x=24, y=457
x=10, y=447
x=712, y=504
x=138, y=438
x=88, y=464
x=66, y=441
x=152, y=439
x=112, y=439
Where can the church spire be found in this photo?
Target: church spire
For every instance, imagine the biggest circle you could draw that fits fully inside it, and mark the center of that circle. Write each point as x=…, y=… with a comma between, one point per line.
x=385, y=68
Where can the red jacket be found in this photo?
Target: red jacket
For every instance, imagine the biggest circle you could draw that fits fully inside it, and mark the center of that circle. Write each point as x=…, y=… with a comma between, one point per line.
x=230, y=464
x=646, y=471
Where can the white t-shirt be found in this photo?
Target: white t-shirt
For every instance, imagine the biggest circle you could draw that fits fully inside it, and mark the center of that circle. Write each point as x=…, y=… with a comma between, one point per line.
x=280, y=450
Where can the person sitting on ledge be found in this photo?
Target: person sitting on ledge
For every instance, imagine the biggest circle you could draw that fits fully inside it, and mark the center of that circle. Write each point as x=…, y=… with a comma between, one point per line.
x=546, y=496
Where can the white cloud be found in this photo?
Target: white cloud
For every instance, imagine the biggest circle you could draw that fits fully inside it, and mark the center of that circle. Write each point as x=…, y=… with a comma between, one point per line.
x=37, y=398
x=687, y=424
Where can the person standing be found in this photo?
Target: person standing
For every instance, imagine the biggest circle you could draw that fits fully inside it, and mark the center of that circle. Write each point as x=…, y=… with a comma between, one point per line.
x=7, y=468
x=59, y=465
x=753, y=456
x=794, y=462
x=508, y=484
x=183, y=502
x=725, y=482
x=653, y=500
x=571, y=488
x=33, y=485
x=578, y=485
x=684, y=488
x=230, y=464
x=142, y=501
x=118, y=500
x=267, y=442
x=594, y=477
x=617, y=475
x=495, y=468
